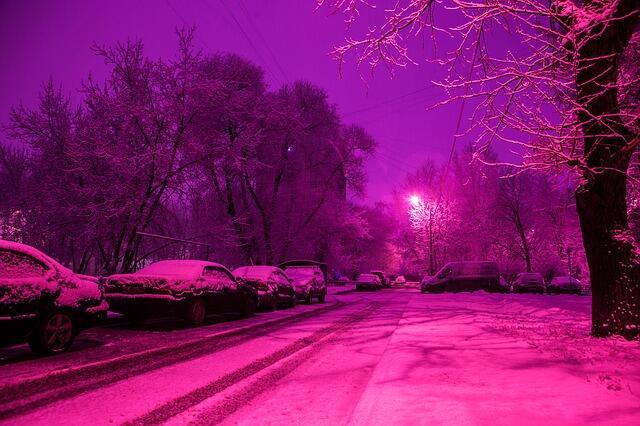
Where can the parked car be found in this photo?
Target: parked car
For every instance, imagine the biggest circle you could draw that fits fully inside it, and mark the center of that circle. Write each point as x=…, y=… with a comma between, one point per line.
x=464, y=276
x=504, y=284
x=309, y=279
x=342, y=280
x=426, y=279
x=43, y=302
x=188, y=288
x=273, y=286
x=528, y=282
x=564, y=285
x=400, y=280
x=384, y=278
x=368, y=282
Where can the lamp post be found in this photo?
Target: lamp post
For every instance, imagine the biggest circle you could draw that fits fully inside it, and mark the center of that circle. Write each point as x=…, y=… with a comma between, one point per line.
x=421, y=214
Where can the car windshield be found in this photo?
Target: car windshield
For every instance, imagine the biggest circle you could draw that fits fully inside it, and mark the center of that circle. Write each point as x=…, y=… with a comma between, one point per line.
x=173, y=268
x=530, y=276
x=301, y=273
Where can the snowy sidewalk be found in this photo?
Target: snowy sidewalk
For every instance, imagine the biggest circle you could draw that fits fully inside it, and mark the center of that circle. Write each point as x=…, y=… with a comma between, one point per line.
x=473, y=359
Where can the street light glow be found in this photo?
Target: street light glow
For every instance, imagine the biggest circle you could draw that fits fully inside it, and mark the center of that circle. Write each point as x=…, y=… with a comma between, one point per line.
x=414, y=200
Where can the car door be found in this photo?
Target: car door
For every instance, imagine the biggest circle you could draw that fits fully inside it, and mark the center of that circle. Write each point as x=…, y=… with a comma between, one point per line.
x=233, y=294
x=284, y=287
x=215, y=291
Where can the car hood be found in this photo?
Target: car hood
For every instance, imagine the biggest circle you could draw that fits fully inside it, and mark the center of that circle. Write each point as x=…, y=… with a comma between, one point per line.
x=303, y=282
x=72, y=290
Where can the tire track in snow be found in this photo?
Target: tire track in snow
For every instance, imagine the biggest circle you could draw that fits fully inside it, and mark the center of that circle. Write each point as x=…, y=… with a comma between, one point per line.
x=31, y=394
x=195, y=397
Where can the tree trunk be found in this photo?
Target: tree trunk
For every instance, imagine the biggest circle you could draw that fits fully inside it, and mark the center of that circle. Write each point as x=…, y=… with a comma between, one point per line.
x=612, y=253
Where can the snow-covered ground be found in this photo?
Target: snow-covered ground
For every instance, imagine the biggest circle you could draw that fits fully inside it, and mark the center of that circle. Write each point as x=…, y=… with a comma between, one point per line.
x=389, y=357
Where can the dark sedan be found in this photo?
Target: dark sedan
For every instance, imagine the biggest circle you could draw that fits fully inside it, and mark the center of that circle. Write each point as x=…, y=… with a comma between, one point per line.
x=273, y=286
x=188, y=288
x=529, y=282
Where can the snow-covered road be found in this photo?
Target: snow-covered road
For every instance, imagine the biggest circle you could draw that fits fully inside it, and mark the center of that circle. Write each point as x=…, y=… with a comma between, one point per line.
x=391, y=357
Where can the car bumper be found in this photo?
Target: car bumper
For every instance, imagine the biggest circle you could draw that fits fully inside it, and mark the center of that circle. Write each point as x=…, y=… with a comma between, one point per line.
x=564, y=290
x=364, y=286
x=124, y=302
x=528, y=289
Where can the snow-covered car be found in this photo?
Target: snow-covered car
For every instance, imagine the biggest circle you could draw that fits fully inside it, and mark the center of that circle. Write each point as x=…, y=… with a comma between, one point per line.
x=273, y=286
x=464, y=276
x=400, y=280
x=528, y=282
x=384, y=278
x=564, y=285
x=189, y=288
x=309, y=279
x=368, y=282
x=42, y=301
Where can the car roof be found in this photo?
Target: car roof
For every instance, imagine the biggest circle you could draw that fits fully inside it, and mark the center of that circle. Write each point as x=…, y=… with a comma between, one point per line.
x=191, y=262
x=30, y=251
x=258, y=271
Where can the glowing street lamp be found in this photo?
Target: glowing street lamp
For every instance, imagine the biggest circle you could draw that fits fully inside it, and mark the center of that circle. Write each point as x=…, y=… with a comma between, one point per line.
x=415, y=200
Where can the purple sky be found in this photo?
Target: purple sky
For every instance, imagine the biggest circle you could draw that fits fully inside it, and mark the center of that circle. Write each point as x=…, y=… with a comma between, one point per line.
x=285, y=37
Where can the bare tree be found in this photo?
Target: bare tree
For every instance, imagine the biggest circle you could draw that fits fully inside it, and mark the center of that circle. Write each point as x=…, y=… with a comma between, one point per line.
x=556, y=97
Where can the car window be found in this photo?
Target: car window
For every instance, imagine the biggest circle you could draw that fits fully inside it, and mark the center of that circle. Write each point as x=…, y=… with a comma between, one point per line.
x=213, y=273
x=281, y=278
x=19, y=265
x=444, y=272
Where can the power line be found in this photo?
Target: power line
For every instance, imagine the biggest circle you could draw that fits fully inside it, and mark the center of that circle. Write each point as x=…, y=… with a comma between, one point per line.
x=388, y=101
x=247, y=38
x=247, y=15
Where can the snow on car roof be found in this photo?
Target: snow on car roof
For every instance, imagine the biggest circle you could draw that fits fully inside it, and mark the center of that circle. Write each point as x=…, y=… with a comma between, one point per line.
x=261, y=272
x=189, y=262
x=30, y=251
x=177, y=267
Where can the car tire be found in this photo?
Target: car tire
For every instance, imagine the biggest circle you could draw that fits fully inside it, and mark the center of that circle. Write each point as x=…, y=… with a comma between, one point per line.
x=53, y=333
x=322, y=297
x=195, y=311
x=308, y=300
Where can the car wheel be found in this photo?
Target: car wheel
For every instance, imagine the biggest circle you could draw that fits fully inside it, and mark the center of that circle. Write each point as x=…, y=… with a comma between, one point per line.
x=54, y=333
x=195, y=311
x=321, y=297
x=307, y=299
x=135, y=318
